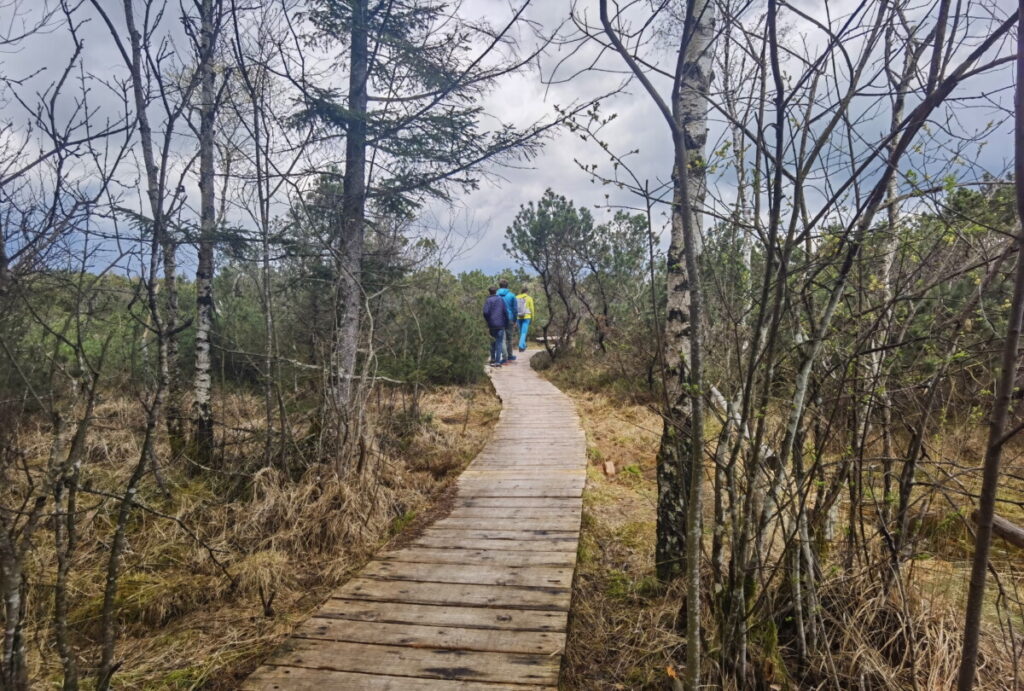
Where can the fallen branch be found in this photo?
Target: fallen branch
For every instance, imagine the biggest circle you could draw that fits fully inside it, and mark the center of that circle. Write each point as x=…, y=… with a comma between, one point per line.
x=1003, y=528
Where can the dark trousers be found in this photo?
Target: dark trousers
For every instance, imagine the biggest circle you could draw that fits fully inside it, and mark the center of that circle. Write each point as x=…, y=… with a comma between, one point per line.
x=510, y=342
x=497, y=341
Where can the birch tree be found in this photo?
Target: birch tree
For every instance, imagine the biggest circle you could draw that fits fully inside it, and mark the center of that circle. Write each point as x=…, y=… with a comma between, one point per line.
x=210, y=22
x=163, y=176
x=680, y=458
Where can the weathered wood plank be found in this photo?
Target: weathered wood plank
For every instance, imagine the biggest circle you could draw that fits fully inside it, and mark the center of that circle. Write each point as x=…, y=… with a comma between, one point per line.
x=270, y=678
x=567, y=524
x=523, y=481
x=419, y=636
x=507, y=512
x=511, y=475
x=518, y=502
x=480, y=556
x=480, y=599
x=500, y=534
x=520, y=492
x=445, y=615
x=536, y=576
x=568, y=471
x=429, y=663
x=514, y=545
x=512, y=597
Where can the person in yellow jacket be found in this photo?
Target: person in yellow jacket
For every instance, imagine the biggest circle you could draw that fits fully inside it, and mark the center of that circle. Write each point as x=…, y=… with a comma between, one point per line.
x=524, y=308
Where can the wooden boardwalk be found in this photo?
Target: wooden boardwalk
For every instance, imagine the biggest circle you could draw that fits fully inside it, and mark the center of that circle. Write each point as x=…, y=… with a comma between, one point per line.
x=480, y=600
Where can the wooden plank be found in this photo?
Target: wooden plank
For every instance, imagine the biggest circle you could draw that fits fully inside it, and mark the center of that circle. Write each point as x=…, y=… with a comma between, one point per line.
x=566, y=461
x=533, y=466
x=500, y=534
x=537, y=576
x=480, y=556
x=513, y=545
x=420, y=636
x=568, y=524
x=520, y=492
x=303, y=679
x=421, y=662
x=519, y=446
x=555, y=455
x=524, y=436
x=498, y=488
x=507, y=512
x=445, y=615
x=522, y=481
x=517, y=502
x=528, y=480
x=512, y=597
x=525, y=473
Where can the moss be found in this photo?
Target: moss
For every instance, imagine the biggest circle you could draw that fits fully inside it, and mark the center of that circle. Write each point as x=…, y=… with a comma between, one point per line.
x=622, y=586
x=618, y=585
x=635, y=534
x=633, y=470
x=185, y=678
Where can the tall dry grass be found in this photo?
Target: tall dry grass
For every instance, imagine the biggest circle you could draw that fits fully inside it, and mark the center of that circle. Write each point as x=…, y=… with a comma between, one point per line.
x=626, y=629
x=223, y=564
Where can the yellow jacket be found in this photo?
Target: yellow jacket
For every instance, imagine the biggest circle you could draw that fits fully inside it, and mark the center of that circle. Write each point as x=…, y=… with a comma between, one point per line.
x=529, y=305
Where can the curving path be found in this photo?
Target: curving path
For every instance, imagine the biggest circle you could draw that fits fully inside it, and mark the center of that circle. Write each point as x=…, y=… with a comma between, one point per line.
x=480, y=600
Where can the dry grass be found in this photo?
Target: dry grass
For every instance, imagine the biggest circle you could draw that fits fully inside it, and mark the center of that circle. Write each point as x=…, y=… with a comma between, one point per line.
x=622, y=633
x=285, y=541
x=625, y=631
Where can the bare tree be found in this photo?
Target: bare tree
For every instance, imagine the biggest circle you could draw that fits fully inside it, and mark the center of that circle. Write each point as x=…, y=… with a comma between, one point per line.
x=163, y=179
x=52, y=181
x=998, y=434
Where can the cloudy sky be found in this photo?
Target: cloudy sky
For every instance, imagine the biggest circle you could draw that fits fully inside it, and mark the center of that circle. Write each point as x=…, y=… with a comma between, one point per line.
x=479, y=218
x=639, y=126
x=533, y=96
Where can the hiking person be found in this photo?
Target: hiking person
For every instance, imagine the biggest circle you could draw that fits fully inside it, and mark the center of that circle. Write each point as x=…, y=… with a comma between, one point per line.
x=524, y=313
x=510, y=307
x=496, y=316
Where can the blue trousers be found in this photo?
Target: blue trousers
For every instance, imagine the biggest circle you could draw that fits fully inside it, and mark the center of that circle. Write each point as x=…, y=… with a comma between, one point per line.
x=497, y=341
x=524, y=326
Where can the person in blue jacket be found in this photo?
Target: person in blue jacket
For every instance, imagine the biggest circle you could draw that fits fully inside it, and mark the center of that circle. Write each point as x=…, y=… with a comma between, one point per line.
x=496, y=316
x=510, y=307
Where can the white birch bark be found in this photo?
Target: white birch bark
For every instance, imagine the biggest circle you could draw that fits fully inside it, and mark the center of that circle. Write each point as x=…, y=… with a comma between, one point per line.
x=202, y=379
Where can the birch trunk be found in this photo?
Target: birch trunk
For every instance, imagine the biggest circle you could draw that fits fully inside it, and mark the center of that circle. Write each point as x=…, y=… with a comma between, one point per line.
x=164, y=318
x=202, y=379
x=680, y=451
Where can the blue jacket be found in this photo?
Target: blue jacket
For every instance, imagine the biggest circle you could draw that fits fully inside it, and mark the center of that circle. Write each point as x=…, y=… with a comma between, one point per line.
x=510, y=303
x=495, y=312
